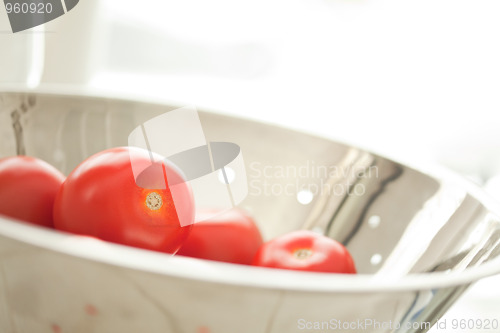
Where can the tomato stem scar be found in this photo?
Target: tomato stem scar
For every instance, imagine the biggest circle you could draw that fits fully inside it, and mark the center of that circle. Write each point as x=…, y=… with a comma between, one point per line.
x=302, y=253
x=154, y=201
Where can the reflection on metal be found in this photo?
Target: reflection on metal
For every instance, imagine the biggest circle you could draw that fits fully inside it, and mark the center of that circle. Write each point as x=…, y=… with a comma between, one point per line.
x=348, y=173
x=18, y=114
x=422, y=230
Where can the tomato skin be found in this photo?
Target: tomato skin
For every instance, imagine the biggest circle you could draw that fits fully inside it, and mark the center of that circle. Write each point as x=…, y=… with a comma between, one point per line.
x=230, y=236
x=305, y=250
x=28, y=187
x=101, y=198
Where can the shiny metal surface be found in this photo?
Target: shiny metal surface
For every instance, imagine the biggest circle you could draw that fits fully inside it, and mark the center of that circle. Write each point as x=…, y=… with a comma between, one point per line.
x=418, y=239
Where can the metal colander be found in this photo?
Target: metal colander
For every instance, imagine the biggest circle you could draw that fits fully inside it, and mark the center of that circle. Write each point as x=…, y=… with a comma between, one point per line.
x=419, y=238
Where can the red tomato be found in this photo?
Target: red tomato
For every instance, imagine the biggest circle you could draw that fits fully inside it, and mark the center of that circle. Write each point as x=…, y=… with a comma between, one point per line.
x=28, y=187
x=305, y=250
x=101, y=198
x=229, y=236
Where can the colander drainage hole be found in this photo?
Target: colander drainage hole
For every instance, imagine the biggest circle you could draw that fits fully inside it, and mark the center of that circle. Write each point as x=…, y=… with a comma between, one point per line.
x=376, y=259
x=374, y=221
x=305, y=197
